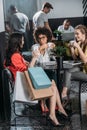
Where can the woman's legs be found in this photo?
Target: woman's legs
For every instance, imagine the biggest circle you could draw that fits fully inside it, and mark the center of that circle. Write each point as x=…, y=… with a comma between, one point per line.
x=43, y=106
x=67, y=80
x=58, y=100
x=52, y=114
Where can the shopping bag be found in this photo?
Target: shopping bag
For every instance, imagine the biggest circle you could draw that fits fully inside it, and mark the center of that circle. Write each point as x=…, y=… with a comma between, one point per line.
x=39, y=78
x=36, y=94
x=21, y=93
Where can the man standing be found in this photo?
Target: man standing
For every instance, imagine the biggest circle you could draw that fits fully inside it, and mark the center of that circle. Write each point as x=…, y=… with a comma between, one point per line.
x=40, y=18
x=19, y=22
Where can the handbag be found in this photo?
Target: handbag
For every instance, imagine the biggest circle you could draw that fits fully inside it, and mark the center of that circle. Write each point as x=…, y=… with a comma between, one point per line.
x=37, y=94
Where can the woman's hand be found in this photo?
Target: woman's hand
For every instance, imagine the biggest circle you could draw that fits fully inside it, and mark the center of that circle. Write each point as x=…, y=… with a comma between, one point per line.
x=76, y=45
x=35, y=54
x=51, y=45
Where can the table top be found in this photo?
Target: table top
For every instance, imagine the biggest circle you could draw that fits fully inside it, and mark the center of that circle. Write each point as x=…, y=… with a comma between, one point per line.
x=52, y=65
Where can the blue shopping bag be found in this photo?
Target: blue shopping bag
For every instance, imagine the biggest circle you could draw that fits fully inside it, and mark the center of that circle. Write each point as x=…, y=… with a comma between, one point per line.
x=39, y=78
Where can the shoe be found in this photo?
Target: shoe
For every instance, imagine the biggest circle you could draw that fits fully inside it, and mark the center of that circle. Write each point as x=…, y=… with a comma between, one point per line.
x=65, y=101
x=65, y=98
x=62, y=115
x=44, y=108
x=51, y=122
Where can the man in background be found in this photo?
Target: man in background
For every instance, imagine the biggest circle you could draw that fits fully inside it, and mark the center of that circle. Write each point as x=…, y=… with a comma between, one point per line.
x=19, y=22
x=40, y=18
x=66, y=27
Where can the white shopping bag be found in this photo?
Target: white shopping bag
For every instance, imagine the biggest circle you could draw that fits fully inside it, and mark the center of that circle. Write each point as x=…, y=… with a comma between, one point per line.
x=21, y=93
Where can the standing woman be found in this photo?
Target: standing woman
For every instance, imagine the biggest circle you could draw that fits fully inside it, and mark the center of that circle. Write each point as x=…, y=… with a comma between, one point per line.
x=78, y=50
x=15, y=62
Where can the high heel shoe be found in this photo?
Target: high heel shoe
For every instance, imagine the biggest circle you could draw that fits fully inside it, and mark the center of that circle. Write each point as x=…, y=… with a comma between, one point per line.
x=51, y=122
x=44, y=108
x=62, y=115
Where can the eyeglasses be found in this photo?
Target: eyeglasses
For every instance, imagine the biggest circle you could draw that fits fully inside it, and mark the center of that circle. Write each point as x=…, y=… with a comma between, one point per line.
x=39, y=38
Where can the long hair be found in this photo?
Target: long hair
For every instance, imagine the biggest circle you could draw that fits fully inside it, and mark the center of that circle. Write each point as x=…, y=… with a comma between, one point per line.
x=43, y=31
x=83, y=30
x=14, y=43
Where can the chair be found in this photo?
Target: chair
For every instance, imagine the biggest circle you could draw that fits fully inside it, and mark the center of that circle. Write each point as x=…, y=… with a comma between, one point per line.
x=20, y=94
x=82, y=95
x=14, y=94
x=7, y=82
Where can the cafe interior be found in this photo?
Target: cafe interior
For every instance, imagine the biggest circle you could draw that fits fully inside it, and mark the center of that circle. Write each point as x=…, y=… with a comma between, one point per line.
x=17, y=110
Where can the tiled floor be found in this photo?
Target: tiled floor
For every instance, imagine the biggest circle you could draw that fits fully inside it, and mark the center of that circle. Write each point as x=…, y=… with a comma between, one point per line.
x=37, y=121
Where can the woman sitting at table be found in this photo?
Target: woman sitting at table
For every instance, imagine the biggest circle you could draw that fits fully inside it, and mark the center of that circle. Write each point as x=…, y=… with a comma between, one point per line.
x=14, y=61
x=43, y=37
x=78, y=50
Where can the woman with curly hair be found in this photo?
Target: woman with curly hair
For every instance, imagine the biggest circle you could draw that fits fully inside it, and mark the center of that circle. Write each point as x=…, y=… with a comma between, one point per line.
x=43, y=37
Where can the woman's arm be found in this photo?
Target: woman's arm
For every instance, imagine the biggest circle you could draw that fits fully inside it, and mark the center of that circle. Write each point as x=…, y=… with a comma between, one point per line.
x=35, y=55
x=81, y=53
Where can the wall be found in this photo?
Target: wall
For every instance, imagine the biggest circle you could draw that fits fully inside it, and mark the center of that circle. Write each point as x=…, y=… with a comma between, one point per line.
x=63, y=8
x=28, y=7
x=1, y=17
x=2, y=46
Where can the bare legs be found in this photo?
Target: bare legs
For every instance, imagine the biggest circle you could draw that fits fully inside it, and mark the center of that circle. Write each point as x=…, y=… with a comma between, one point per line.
x=64, y=92
x=55, y=99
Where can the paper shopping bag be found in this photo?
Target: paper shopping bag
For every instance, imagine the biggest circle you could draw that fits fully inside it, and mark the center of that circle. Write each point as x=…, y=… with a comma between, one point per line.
x=36, y=94
x=39, y=78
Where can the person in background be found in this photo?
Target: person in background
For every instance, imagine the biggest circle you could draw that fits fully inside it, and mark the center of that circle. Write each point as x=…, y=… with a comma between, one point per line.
x=15, y=62
x=7, y=32
x=19, y=22
x=40, y=18
x=66, y=27
x=79, y=51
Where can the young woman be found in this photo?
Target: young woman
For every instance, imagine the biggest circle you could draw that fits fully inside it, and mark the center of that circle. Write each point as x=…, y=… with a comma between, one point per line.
x=43, y=38
x=15, y=62
x=78, y=50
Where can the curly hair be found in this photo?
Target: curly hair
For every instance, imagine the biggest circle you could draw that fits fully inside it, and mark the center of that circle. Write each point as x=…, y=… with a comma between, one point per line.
x=14, y=43
x=43, y=31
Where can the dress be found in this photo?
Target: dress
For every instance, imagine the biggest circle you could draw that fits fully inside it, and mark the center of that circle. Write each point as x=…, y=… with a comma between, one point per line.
x=18, y=64
x=39, y=19
x=61, y=29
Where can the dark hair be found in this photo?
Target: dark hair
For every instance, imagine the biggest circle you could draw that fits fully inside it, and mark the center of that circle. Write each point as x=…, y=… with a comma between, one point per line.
x=14, y=43
x=43, y=31
x=13, y=7
x=48, y=5
x=66, y=21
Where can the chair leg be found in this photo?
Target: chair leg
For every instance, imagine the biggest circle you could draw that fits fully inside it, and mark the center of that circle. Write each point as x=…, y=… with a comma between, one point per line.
x=80, y=100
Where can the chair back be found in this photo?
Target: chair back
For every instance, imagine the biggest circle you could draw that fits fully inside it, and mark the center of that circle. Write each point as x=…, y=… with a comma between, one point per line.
x=7, y=82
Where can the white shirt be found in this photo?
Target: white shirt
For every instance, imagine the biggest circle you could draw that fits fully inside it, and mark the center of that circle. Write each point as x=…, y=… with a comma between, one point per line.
x=61, y=29
x=43, y=58
x=39, y=19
